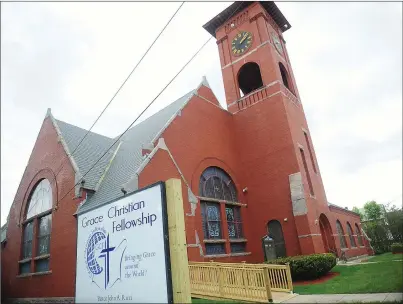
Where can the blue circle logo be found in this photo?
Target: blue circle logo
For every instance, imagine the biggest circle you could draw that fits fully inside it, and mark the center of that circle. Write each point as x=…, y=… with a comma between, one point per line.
x=95, y=242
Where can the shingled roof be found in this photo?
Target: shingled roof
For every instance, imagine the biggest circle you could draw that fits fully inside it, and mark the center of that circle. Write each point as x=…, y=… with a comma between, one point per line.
x=122, y=161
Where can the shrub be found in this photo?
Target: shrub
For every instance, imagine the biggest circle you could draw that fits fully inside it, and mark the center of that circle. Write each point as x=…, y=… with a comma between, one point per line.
x=397, y=248
x=308, y=267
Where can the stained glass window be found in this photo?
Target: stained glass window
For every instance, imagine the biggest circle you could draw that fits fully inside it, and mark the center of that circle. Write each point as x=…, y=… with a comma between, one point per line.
x=359, y=235
x=42, y=265
x=340, y=232
x=350, y=235
x=216, y=183
x=233, y=214
x=238, y=247
x=41, y=199
x=218, y=248
x=44, y=235
x=38, y=227
x=211, y=218
x=27, y=241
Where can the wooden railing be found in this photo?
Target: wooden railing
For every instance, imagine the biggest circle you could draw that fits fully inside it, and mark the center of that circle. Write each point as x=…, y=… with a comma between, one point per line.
x=238, y=281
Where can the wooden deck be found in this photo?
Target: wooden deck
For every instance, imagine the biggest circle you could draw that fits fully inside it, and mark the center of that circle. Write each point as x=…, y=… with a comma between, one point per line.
x=240, y=281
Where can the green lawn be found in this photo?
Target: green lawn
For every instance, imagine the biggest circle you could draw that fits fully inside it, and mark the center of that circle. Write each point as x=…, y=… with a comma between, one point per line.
x=385, y=257
x=386, y=276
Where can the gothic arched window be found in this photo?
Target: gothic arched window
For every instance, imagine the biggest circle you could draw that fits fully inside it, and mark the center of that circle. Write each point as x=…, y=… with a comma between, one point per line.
x=36, y=229
x=359, y=236
x=216, y=183
x=340, y=232
x=351, y=236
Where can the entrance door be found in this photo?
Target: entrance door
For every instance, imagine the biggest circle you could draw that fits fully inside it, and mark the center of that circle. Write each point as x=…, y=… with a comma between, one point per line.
x=276, y=233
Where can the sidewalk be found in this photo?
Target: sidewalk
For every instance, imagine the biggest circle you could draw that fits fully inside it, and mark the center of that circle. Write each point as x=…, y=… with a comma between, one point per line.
x=347, y=298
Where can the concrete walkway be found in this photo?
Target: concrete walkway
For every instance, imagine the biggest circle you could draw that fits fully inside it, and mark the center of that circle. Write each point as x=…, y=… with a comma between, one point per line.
x=347, y=298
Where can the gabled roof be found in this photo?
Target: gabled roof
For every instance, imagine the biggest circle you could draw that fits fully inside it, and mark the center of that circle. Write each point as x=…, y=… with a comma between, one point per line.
x=88, y=152
x=129, y=157
x=123, y=160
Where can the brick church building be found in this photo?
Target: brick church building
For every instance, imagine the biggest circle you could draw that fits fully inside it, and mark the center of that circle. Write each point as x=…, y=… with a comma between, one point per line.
x=247, y=171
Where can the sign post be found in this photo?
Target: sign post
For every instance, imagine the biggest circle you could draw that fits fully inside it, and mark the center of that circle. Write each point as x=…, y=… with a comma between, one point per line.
x=123, y=249
x=177, y=242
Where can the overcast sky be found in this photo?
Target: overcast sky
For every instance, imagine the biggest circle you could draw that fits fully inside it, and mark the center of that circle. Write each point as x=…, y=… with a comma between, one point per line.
x=72, y=57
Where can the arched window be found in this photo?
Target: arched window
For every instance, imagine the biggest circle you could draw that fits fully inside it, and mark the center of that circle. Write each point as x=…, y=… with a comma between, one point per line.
x=285, y=77
x=340, y=232
x=359, y=235
x=249, y=78
x=351, y=236
x=215, y=184
x=36, y=229
x=276, y=233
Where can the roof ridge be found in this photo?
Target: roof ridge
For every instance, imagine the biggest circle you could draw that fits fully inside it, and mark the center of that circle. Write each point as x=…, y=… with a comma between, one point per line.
x=156, y=113
x=86, y=130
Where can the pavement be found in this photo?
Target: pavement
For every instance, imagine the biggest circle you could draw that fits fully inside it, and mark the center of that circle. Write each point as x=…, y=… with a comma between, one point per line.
x=347, y=298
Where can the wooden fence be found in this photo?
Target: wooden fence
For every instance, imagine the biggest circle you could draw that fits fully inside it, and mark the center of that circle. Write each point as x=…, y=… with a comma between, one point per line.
x=239, y=281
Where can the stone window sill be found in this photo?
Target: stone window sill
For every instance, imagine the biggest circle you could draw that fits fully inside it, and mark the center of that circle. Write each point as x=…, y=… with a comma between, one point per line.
x=41, y=257
x=25, y=275
x=238, y=240
x=227, y=255
x=25, y=260
x=214, y=241
x=208, y=199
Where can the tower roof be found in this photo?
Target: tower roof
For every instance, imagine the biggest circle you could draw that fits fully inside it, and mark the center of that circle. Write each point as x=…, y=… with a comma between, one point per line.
x=270, y=7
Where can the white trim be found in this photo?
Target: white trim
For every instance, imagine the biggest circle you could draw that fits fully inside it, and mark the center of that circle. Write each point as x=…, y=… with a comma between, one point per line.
x=218, y=106
x=132, y=184
x=178, y=112
x=254, y=92
x=278, y=92
x=197, y=244
x=246, y=55
x=64, y=144
x=309, y=235
x=107, y=168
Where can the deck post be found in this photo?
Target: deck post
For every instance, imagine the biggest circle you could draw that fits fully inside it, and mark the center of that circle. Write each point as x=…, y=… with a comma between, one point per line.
x=289, y=279
x=267, y=284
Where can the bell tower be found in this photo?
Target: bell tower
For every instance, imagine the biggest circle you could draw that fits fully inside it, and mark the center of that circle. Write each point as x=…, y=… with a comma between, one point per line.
x=274, y=146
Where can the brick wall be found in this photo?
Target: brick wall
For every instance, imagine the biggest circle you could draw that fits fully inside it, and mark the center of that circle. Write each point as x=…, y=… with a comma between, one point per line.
x=44, y=161
x=344, y=216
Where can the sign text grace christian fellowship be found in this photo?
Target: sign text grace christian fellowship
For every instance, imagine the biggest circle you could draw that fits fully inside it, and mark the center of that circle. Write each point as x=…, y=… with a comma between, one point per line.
x=123, y=251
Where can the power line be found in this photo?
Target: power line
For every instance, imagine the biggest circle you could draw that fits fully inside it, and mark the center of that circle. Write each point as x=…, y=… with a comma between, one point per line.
x=152, y=101
x=134, y=121
x=118, y=90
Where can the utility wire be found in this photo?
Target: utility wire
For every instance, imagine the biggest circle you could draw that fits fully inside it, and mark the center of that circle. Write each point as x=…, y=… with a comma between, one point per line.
x=152, y=101
x=118, y=90
x=134, y=121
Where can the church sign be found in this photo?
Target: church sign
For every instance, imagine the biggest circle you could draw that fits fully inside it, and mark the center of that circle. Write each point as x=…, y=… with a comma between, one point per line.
x=123, y=250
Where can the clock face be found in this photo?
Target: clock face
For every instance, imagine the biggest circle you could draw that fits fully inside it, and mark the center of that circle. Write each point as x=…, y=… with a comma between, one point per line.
x=241, y=42
x=277, y=43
